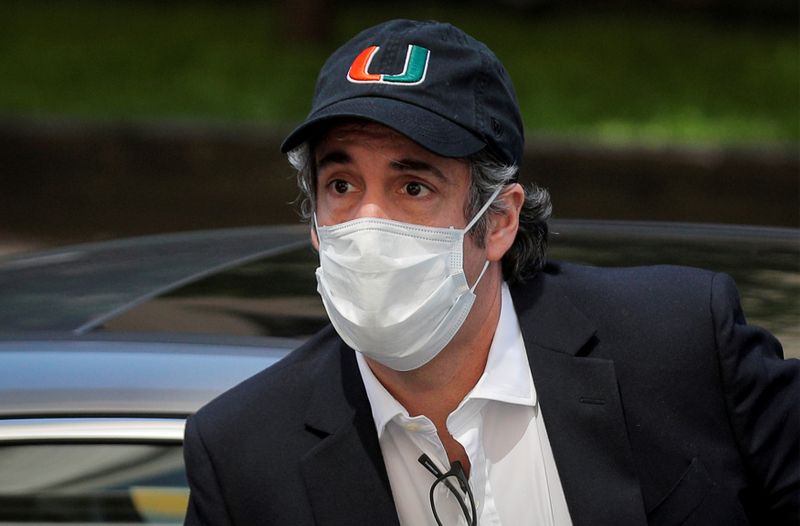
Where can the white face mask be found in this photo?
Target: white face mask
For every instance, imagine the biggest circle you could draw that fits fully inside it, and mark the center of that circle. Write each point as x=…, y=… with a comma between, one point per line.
x=395, y=292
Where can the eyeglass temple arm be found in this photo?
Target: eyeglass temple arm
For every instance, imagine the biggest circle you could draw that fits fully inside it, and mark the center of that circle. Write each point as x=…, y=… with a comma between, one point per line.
x=458, y=470
x=455, y=468
x=426, y=461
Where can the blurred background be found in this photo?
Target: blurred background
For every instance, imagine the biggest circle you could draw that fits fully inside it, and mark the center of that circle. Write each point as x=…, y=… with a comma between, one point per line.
x=133, y=117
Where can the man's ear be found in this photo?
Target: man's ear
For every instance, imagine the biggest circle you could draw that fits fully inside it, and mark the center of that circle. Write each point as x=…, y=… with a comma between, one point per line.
x=314, y=238
x=503, y=225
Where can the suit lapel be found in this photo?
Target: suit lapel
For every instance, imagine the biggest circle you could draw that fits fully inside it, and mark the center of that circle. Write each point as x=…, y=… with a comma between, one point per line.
x=344, y=474
x=581, y=407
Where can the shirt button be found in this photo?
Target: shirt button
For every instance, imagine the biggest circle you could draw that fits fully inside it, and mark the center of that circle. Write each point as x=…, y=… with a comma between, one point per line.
x=413, y=427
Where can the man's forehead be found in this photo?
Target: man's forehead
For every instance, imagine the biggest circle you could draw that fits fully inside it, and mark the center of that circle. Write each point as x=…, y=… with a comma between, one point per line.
x=340, y=144
x=340, y=136
x=357, y=130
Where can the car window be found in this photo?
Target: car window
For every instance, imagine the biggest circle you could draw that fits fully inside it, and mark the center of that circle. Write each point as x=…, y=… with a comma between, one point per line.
x=94, y=483
x=273, y=297
x=766, y=271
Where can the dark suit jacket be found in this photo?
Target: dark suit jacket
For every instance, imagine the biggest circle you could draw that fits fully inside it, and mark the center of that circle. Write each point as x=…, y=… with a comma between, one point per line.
x=662, y=406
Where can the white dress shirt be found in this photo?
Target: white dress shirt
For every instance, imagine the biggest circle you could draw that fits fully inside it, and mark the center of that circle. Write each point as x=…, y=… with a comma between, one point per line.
x=513, y=475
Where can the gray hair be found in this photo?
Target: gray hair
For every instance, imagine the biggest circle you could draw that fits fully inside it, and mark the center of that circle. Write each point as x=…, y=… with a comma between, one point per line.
x=528, y=252
x=525, y=257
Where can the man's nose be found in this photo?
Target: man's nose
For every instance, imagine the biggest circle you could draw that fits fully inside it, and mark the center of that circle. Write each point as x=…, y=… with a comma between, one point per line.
x=373, y=204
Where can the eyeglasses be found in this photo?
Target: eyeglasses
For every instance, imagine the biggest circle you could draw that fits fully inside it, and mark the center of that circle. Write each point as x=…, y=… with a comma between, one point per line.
x=455, y=474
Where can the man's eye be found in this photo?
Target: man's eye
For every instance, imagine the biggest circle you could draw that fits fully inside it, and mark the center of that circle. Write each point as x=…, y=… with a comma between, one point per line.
x=414, y=189
x=340, y=186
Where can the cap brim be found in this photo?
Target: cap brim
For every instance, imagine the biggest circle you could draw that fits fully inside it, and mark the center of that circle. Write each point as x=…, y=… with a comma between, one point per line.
x=428, y=129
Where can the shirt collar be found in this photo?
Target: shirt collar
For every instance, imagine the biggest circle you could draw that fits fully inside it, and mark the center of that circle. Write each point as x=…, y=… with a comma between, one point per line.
x=506, y=377
x=384, y=406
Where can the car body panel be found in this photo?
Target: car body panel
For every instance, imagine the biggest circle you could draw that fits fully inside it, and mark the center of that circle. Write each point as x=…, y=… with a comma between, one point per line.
x=105, y=348
x=103, y=377
x=92, y=429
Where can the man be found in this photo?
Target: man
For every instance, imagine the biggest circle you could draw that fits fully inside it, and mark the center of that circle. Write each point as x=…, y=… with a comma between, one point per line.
x=463, y=381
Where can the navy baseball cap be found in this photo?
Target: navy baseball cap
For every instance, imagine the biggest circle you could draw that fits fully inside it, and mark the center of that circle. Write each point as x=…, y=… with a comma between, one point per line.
x=429, y=81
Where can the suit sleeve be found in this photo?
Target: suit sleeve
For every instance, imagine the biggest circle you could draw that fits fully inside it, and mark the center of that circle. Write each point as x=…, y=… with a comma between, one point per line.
x=206, y=503
x=762, y=392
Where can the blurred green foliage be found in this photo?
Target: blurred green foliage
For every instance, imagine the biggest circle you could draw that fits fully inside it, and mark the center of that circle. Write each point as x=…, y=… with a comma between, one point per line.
x=608, y=76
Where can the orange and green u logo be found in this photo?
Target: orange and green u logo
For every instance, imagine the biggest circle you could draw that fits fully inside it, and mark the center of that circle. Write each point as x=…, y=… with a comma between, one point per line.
x=413, y=72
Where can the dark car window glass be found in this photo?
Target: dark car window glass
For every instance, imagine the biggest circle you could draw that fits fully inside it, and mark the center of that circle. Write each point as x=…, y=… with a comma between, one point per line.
x=277, y=296
x=272, y=297
x=92, y=483
x=767, y=274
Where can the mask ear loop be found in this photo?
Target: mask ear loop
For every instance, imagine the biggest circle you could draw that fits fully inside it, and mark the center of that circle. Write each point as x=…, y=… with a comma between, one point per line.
x=316, y=225
x=483, y=209
x=475, y=219
x=485, y=266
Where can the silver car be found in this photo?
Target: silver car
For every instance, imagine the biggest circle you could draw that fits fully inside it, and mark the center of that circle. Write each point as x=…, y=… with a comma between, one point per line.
x=105, y=348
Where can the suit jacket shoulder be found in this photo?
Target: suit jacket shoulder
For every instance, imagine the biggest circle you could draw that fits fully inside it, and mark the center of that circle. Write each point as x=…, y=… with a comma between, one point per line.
x=294, y=444
x=705, y=401
x=279, y=393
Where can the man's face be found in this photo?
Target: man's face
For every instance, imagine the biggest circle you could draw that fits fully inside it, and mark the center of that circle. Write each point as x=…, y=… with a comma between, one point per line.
x=366, y=170
x=369, y=170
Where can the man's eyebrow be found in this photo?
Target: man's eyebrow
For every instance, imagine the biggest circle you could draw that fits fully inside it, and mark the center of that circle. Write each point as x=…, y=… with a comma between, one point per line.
x=334, y=157
x=415, y=165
